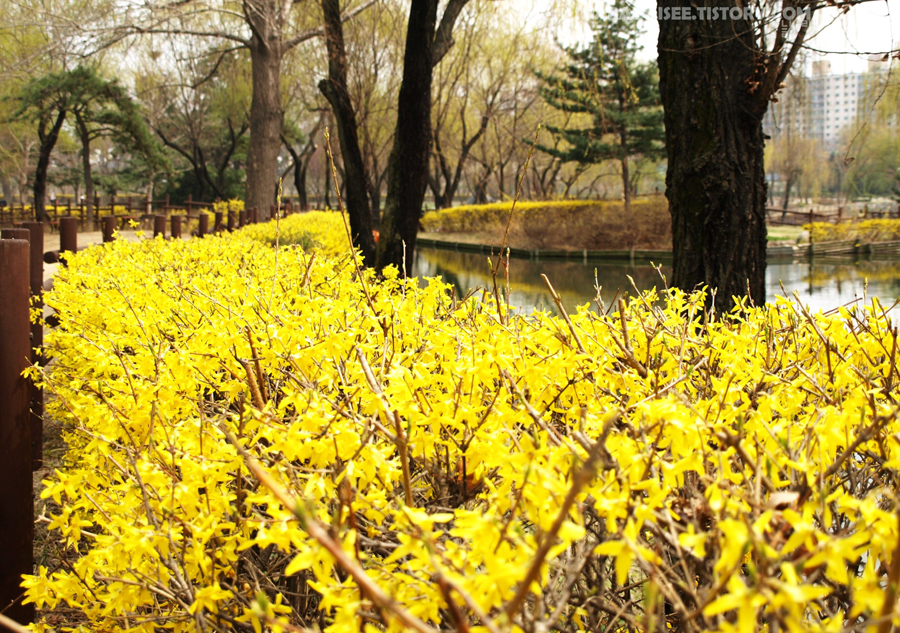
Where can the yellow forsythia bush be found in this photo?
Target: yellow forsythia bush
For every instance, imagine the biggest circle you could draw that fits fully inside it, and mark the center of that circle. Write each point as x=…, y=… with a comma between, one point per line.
x=866, y=231
x=261, y=442
x=225, y=207
x=565, y=224
x=314, y=230
x=476, y=217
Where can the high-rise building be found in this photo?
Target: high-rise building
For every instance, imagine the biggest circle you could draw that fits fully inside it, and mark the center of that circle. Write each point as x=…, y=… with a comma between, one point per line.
x=822, y=105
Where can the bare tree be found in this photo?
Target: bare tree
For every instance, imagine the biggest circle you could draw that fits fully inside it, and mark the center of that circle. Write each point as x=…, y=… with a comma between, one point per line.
x=718, y=72
x=268, y=29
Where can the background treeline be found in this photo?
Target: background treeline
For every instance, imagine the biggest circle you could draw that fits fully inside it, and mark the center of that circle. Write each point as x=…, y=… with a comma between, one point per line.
x=191, y=81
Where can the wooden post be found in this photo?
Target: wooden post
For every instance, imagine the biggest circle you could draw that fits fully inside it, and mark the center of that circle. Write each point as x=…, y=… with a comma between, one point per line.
x=159, y=225
x=68, y=235
x=16, y=500
x=176, y=227
x=231, y=220
x=218, y=223
x=189, y=203
x=203, y=226
x=242, y=218
x=36, y=240
x=109, y=227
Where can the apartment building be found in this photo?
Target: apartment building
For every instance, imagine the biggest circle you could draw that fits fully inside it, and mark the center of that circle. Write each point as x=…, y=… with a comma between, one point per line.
x=822, y=105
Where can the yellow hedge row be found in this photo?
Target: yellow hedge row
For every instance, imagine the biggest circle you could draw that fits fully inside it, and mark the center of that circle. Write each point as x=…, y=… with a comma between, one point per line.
x=866, y=231
x=315, y=230
x=429, y=465
x=467, y=218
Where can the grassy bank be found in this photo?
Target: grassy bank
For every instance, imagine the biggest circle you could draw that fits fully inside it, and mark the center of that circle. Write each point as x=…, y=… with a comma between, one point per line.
x=562, y=224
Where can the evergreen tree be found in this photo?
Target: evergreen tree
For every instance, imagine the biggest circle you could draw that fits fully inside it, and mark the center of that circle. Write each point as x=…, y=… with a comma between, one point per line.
x=621, y=96
x=99, y=107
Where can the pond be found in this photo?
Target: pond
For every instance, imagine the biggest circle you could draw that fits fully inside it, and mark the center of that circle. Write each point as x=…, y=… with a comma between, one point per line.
x=821, y=284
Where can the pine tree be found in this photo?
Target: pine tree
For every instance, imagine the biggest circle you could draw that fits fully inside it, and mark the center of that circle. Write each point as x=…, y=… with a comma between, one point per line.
x=621, y=96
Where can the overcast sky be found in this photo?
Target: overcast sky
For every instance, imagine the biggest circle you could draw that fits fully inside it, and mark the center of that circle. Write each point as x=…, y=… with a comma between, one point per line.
x=869, y=27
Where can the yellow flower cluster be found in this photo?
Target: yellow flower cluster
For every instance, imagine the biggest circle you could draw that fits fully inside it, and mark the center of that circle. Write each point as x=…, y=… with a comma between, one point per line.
x=478, y=217
x=315, y=230
x=228, y=206
x=270, y=442
x=865, y=231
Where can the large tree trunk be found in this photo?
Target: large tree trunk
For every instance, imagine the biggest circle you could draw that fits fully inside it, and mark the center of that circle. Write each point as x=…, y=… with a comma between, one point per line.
x=6, y=183
x=48, y=140
x=626, y=185
x=86, y=167
x=788, y=185
x=334, y=87
x=265, y=118
x=408, y=164
x=715, y=181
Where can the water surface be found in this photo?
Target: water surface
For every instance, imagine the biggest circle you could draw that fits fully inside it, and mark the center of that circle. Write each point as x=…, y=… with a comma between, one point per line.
x=820, y=284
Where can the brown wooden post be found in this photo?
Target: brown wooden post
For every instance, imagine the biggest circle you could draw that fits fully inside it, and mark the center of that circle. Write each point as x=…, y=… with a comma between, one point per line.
x=159, y=225
x=109, y=227
x=68, y=235
x=231, y=220
x=218, y=223
x=176, y=227
x=36, y=240
x=242, y=218
x=203, y=226
x=16, y=500
x=189, y=203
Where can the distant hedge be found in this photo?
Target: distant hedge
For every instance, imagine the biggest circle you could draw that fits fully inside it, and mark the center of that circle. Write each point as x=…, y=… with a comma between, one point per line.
x=576, y=224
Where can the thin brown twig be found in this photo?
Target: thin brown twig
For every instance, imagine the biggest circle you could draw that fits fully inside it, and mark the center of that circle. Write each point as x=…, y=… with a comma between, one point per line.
x=565, y=315
x=495, y=266
x=368, y=587
x=581, y=478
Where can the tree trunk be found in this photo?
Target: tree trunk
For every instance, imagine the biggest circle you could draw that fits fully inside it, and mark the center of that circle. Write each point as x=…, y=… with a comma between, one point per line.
x=408, y=164
x=6, y=183
x=265, y=119
x=48, y=140
x=86, y=167
x=715, y=181
x=334, y=87
x=788, y=185
x=626, y=185
x=300, y=186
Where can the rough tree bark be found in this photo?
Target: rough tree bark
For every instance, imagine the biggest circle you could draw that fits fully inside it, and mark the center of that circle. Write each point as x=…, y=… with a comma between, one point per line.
x=334, y=87
x=86, y=168
x=266, y=50
x=47, y=141
x=715, y=181
x=408, y=164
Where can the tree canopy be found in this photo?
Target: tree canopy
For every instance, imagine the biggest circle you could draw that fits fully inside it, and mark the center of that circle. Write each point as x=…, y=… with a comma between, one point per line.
x=619, y=95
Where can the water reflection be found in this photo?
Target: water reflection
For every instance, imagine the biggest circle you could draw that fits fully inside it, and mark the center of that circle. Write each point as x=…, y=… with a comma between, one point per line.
x=823, y=284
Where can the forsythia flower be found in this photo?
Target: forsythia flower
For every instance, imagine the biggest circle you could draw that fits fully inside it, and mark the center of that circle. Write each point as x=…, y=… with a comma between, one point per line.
x=450, y=466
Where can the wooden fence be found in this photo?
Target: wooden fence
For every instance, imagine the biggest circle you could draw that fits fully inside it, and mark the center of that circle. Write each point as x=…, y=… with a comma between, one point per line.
x=21, y=413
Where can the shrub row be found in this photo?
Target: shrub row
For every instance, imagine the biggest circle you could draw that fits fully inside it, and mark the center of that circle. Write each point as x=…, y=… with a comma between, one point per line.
x=264, y=440
x=572, y=224
x=866, y=231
